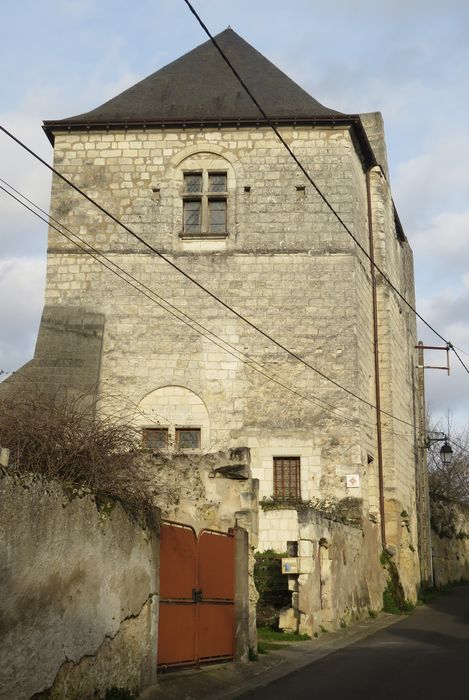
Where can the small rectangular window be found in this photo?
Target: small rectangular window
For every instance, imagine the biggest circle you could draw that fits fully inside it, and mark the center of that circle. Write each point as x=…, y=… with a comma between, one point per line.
x=193, y=182
x=192, y=216
x=287, y=479
x=217, y=215
x=155, y=438
x=187, y=438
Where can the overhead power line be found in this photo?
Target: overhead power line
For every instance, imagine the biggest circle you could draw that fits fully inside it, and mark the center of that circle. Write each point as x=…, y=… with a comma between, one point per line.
x=192, y=279
x=460, y=447
x=313, y=183
x=195, y=282
x=174, y=311
x=198, y=327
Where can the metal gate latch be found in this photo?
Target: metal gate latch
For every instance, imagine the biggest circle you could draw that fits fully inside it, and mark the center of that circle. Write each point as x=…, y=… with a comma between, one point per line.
x=197, y=595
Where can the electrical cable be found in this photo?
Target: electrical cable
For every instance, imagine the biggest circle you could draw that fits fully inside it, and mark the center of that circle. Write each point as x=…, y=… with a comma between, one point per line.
x=193, y=280
x=315, y=186
x=461, y=350
x=456, y=444
x=320, y=403
x=459, y=358
x=249, y=361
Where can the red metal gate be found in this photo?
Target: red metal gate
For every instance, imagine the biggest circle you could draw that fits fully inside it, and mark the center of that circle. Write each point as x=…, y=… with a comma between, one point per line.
x=196, y=619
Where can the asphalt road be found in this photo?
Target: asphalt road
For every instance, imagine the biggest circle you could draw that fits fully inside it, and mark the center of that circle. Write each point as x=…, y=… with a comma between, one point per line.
x=423, y=657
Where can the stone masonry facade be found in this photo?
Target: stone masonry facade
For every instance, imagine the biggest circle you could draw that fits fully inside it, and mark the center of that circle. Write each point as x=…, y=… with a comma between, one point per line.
x=289, y=267
x=252, y=318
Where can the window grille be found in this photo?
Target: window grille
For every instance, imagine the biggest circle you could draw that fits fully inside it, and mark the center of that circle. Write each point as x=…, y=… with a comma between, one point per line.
x=287, y=479
x=155, y=438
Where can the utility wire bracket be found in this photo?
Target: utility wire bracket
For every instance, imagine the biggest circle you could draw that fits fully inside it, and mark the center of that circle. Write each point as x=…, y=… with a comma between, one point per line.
x=423, y=347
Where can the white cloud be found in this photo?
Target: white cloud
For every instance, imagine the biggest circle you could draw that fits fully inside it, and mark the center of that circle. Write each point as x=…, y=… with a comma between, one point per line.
x=437, y=179
x=21, y=302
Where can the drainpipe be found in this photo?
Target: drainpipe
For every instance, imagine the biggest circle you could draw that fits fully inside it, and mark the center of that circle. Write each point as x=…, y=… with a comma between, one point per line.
x=376, y=362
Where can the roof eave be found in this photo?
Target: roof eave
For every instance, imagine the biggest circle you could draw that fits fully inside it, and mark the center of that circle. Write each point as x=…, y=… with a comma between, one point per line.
x=353, y=120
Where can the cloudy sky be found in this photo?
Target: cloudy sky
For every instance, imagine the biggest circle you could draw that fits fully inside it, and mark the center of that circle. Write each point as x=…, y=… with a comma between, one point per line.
x=408, y=59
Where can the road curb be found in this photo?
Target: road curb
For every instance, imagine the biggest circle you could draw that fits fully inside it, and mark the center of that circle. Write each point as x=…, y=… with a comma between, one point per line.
x=230, y=681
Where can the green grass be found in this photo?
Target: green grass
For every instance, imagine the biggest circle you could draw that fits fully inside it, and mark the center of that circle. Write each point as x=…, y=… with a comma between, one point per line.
x=267, y=634
x=119, y=694
x=253, y=655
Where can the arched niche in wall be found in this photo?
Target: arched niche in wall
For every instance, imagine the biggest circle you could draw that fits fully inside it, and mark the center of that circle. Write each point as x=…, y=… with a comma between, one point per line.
x=175, y=415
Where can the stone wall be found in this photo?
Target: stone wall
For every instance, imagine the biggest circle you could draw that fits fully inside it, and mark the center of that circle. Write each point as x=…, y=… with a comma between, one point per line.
x=450, y=541
x=287, y=265
x=213, y=490
x=280, y=241
x=67, y=356
x=79, y=587
x=397, y=359
x=339, y=578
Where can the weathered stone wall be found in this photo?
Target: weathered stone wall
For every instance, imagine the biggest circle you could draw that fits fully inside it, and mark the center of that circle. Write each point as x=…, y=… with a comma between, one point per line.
x=213, y=490
x=286, y=264
x=339, y=578
x=79, y=587
x=397, y=359
x=67, y=356
x=450, y=541
x=281, y=241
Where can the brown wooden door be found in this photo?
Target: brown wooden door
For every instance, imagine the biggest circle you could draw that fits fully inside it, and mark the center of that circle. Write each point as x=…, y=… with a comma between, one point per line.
x=196, y=616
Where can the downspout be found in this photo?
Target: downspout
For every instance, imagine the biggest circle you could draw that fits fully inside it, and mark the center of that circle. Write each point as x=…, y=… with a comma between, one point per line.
x=376, y=362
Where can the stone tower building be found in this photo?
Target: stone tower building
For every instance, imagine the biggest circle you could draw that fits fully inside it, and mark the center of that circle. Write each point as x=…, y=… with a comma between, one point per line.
x=185, y=160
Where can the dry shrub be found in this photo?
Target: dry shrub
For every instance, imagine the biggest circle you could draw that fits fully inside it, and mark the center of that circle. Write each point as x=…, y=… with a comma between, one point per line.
x=64, y=440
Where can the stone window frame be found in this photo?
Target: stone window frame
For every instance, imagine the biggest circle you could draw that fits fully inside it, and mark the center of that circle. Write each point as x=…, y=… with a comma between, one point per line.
x=153, y=430
x=205, y=197
x=186, y=429
x=209, y=159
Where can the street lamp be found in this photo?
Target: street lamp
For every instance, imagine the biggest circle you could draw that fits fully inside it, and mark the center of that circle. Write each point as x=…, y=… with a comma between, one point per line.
x=446, y=452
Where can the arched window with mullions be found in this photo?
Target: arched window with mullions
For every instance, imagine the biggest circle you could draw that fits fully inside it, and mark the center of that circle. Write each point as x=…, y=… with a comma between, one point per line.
x=205, y=202
x=207, y=191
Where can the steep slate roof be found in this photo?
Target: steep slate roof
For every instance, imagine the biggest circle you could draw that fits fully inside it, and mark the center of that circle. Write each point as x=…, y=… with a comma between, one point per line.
x=200, y=89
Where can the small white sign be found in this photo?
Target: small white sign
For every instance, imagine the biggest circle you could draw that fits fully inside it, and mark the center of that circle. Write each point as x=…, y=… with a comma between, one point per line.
x=353, y=481
x=290, y=566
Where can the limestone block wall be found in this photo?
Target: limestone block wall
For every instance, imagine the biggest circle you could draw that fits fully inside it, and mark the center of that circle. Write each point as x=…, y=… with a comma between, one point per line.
x=67, y=355
x=79, y=591
x=397, y=360
x=286, y=264
x=340, y=578
x=450, y=541
x=276, y=528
